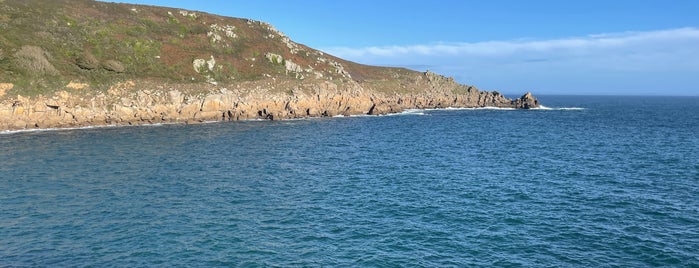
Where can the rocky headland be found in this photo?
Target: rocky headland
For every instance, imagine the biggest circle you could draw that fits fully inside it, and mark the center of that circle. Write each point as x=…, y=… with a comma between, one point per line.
x=86, y=63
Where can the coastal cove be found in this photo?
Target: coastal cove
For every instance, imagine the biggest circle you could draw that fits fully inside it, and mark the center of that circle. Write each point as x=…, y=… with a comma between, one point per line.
x=588, y=181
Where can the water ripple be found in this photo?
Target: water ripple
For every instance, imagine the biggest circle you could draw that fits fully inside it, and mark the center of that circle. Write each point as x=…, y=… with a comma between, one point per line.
x=599, y=186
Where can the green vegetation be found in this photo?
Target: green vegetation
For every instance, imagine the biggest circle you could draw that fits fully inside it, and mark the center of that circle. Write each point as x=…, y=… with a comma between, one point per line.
x=46, y=44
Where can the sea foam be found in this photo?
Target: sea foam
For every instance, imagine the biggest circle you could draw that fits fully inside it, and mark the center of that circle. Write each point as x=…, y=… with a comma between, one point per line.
x=545, y=108
x=35, y=130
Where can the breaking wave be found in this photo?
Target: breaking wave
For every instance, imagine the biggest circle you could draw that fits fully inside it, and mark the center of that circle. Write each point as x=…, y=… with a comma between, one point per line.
x=36, y=130
x=545, y=108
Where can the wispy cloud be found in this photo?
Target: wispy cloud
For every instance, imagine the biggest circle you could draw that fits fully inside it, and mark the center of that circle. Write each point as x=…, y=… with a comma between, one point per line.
x=505, y=48
x=627, y=59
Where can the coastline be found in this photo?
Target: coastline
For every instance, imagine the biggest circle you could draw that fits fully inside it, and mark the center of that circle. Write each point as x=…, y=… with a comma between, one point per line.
x=145, y=103
x=411, y=111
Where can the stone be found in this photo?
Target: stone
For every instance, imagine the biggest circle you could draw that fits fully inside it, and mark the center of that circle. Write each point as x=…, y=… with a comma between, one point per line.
x=87, y=61
x=114, y=66
x=212, y=103
x=527, y=101
x=19, y=124
x=35, y=60
x=209, y=116
x=4, y=87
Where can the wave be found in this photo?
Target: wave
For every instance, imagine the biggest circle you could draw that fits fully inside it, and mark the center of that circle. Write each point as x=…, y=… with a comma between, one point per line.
x=58, y=129
x=405, y=112
x=545, y=108
x=33, y=130
x=541, y=107
x=471, y=109
x=411, y=112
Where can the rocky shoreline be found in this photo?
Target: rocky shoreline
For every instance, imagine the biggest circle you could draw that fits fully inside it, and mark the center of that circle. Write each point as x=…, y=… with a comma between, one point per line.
x=141, y=102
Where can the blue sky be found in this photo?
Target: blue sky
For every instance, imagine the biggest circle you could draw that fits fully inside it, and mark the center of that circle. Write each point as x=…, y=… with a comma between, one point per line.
x=639, y=47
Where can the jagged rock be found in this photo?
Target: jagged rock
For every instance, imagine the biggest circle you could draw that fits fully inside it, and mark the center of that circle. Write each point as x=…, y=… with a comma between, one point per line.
x=213, y=103
x=126, y=105
x=527, y=101
x=189, y=110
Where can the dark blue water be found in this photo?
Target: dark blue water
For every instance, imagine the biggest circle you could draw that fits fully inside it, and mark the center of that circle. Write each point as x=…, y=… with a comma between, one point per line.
x=613, y=184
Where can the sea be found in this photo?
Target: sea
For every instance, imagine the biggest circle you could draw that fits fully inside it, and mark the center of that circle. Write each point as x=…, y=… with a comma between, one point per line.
x=586, y=181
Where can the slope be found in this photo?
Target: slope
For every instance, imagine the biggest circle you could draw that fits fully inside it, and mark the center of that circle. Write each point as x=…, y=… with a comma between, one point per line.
x=123, y=61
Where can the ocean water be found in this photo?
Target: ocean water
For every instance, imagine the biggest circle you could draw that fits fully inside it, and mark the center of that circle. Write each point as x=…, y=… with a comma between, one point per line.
x=586, y=182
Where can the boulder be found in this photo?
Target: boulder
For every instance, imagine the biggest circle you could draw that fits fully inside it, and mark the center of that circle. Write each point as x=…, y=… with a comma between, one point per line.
x=87, y=61
x=114, y=66
x=527, y=101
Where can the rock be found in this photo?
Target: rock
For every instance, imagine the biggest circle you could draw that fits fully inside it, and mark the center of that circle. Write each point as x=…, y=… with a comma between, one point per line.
x=527, y=101
x=35, y=60
x=19, y=124
x=114, y=66
x=133, y=103
x=209, y=116
x=87, y=61
x=176, y=97
x=76, y=85
x=189, y=110
x=212, y=103
x=4, y=87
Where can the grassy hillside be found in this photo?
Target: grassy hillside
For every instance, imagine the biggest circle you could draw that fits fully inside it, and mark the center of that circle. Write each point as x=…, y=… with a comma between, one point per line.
x=44, y=45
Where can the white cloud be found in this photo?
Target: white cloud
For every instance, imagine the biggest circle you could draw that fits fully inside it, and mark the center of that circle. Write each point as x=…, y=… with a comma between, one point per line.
x=505, y=48
x=628, y=59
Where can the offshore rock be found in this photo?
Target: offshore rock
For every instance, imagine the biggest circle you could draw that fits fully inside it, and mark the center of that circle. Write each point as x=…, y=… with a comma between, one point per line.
x=527, y=101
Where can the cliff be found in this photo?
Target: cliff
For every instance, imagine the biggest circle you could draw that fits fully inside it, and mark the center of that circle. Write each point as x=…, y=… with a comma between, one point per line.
x=81, y=63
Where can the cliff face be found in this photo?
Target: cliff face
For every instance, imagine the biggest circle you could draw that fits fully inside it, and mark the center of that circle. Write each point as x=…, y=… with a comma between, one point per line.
x=143, y=102
x=81, y=63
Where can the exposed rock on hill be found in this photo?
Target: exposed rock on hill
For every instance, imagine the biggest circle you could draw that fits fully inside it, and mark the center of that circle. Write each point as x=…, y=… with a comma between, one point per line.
x=80, y=62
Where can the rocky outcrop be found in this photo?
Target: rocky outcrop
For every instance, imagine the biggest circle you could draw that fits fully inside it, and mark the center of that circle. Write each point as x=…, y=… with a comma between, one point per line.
x=141, y=102
x=527, y=101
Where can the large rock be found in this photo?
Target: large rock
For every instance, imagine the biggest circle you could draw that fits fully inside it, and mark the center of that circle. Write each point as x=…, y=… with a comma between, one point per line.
x=527, y=101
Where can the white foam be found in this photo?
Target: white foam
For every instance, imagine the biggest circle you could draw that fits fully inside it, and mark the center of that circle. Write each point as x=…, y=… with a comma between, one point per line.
x=545, y=108
x=360, y=115
x=412, y=112
x=8, y=132
x=406, y=112
x=471, y=109
x=33, y=130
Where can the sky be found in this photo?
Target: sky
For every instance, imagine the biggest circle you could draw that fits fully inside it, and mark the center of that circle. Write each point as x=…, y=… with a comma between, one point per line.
x=591, y=47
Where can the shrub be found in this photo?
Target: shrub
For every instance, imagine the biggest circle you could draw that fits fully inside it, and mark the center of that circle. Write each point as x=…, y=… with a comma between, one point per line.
x=34, y=60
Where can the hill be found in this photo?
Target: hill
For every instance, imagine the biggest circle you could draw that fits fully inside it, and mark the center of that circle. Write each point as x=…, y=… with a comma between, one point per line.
x=66, y=63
